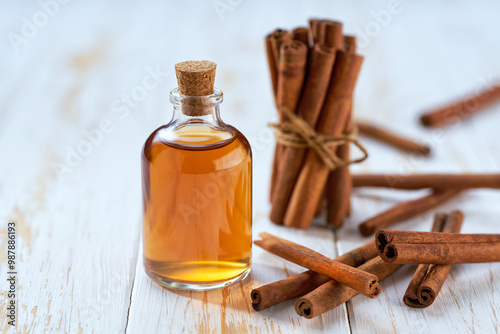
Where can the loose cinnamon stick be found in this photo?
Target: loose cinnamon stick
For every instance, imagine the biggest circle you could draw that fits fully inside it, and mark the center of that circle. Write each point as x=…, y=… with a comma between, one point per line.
x=357, y=279
x=392, y=139
x=315, y=89
x=333, y=294
x=291, y=73
x=339, y=184
x=298, y=285
x=429, y=279
x=301, y=34
x=437, y=248
x=421, y=181
x=462, y=109
x=334, y=115
x=405, y=210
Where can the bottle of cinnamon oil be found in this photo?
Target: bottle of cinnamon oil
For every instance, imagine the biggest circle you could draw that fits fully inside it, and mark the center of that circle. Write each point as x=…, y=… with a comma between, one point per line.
x=197, y=190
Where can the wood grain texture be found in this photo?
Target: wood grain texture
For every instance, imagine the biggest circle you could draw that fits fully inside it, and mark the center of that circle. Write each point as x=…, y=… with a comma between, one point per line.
x=79, y=253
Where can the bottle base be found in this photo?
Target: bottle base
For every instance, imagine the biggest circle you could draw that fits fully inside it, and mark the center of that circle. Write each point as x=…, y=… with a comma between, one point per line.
x=198, y=286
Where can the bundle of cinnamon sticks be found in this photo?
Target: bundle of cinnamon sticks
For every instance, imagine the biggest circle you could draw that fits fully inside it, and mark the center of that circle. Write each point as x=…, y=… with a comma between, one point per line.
x=313, y=73
x=330, y=283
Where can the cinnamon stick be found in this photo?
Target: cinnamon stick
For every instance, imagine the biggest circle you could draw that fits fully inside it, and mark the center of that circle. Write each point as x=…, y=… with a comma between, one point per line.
x=334, y=115
x=331, y=34
x=271, y=62
x=357, y=279
x=405, y=210
x=437, y=248
x=301, y=34
x=421, y=181
x=273, y=44
x=278, y=37
x=462, y=109
x=350, y=44
x=315, y=89
x=321, y=205
x=392, y=139
x=298, y=285
x=429, y=279
x=339, y=184
x=333, y=294
x=314, y=25
x=291, y=73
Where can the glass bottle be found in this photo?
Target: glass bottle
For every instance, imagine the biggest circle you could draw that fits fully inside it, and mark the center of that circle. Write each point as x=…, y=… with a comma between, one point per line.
x=197, y=197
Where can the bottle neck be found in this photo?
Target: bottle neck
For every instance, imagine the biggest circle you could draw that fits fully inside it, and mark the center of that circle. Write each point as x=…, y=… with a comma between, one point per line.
x=197, y=109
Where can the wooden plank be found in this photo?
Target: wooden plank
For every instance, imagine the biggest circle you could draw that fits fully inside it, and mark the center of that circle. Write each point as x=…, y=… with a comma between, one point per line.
x=77, y=235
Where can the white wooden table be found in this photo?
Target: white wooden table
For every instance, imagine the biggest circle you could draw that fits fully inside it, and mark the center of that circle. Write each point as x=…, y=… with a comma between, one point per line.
x=79, y=261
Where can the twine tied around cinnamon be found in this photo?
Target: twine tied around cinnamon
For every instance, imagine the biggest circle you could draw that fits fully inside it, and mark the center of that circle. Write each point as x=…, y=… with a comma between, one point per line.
x=295, y=132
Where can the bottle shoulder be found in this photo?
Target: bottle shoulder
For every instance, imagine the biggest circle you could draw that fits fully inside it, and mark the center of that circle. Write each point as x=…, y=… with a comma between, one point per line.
x=229, y=146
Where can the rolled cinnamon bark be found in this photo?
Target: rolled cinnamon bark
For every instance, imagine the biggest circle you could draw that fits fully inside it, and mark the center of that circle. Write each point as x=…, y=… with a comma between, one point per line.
x=291, y=73
x=339, y=184
x=392, y=139
x=333, y=118
x=354, y=278
x=300, y=284
x=301, y=34
x=273, y=44
x=278, y=37
x=333, y=294
x=315, y=89
x=421, y=181
x=321, y=205
x=271, y=60
x=405, y=210
x=350, y=44
x=314, y=25
x=331, y=34
x=437, y=248
x=429, y=279
x=462, y=109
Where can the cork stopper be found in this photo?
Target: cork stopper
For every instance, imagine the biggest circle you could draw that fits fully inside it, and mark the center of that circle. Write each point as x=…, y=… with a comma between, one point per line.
x=196, y=78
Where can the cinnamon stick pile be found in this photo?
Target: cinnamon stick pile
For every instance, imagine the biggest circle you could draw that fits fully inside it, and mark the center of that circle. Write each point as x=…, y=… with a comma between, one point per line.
x=313, y=74
x=330, y=283
x=429, y=279
x=435, y=252
x=327, y=283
